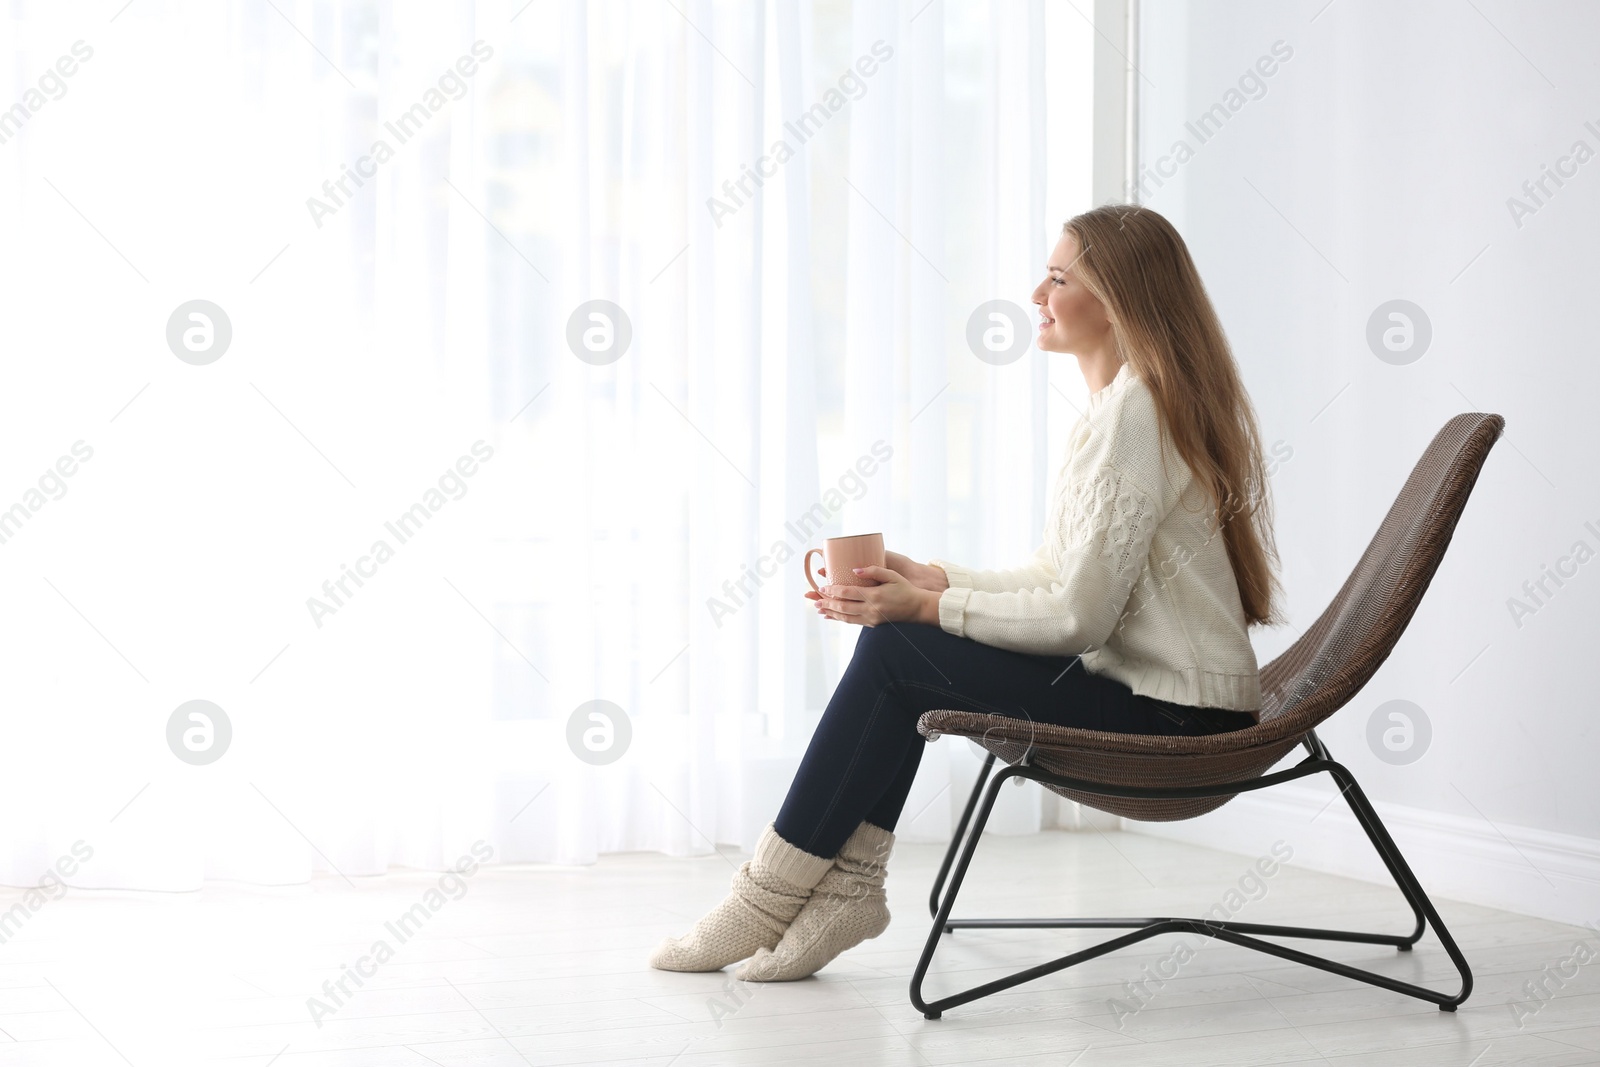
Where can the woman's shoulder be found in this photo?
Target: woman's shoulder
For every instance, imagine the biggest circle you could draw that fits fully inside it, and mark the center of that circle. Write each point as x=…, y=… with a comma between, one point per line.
x=1131, y=440
x=1134, y=401
x=1125, y=416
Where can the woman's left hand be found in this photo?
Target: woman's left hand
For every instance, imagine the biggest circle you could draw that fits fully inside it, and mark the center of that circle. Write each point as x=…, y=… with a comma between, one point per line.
x=895, y=600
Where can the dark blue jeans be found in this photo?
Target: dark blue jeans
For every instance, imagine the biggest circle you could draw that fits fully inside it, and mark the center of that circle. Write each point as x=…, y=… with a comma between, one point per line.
x=864, y=754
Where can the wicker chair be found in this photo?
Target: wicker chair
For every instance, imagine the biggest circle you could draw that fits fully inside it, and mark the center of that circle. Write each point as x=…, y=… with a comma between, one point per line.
x=1155, y=778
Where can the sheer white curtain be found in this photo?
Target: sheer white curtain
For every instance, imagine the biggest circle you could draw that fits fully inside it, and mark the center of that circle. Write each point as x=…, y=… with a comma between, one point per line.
x=426, y=509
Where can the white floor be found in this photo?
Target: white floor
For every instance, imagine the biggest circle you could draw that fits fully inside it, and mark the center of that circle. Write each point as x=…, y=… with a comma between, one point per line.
x=546, y=965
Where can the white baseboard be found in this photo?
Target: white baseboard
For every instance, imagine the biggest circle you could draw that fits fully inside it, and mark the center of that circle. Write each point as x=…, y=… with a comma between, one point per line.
x=1530, y=872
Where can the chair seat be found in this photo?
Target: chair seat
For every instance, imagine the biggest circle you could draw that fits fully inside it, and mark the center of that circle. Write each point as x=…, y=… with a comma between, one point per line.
x=1124, y=760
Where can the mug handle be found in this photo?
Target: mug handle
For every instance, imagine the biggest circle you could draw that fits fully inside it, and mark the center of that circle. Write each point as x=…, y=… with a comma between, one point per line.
x=810, y=579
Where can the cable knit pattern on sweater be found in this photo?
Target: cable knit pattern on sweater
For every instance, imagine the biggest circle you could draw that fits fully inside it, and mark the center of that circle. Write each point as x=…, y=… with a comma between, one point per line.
x=1130, y=575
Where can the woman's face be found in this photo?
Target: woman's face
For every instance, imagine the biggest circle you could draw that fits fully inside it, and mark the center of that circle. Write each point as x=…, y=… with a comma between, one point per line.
x=1071, y=319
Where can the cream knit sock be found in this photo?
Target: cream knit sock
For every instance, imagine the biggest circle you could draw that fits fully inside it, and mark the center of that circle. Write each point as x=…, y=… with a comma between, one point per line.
x=847, y=907
x=769, y=890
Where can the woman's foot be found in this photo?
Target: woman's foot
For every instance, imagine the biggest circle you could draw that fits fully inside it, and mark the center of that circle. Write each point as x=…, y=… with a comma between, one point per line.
x=848, y=906
x=769, y=890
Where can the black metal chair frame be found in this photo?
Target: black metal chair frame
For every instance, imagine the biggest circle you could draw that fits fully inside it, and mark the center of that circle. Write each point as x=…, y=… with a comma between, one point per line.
x=1244, y=935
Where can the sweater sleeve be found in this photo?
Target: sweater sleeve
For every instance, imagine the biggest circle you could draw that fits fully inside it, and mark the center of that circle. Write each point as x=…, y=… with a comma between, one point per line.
x=1108, y=527
x=1035, y=574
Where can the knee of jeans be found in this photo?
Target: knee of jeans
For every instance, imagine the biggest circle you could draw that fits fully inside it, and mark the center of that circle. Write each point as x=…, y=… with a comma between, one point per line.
x=872, y=639
x=872, y=652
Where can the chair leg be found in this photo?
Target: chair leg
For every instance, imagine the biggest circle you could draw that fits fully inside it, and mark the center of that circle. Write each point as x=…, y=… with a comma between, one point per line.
x=955, y=841
x=1410, y=887
x=1141, y=928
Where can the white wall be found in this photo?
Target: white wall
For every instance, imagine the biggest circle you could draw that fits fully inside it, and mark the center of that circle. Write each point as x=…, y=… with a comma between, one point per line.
x=1377, y=164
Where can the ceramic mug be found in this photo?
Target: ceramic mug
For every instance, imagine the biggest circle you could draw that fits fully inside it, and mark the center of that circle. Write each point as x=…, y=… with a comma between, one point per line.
x=842, y=554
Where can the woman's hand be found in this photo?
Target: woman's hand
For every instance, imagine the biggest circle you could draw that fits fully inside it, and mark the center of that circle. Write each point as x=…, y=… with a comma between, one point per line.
x=895, y=600
x=921, y=575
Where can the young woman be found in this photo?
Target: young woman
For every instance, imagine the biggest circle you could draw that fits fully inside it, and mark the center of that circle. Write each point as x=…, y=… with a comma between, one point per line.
x=1131, y=617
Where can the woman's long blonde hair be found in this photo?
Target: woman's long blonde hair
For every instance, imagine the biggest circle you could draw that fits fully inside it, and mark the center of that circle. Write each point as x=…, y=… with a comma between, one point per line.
x=1163, y=323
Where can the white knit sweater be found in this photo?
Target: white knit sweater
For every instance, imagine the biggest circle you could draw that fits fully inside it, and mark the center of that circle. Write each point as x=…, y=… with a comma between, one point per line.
x=1129, y=576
